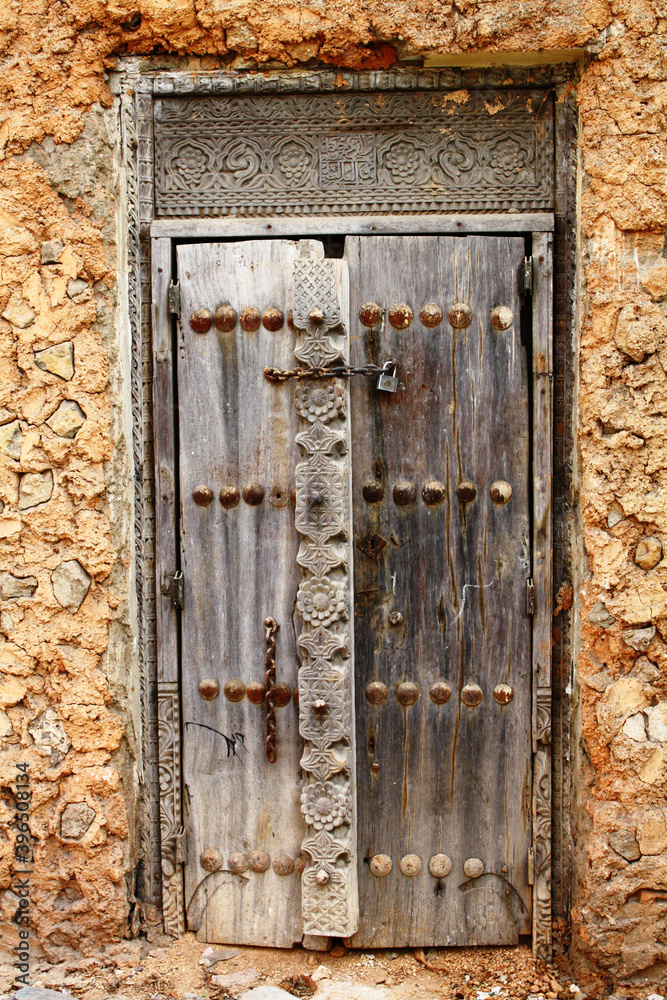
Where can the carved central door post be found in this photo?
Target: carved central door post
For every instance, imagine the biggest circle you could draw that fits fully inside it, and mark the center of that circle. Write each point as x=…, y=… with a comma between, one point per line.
x=330, y=903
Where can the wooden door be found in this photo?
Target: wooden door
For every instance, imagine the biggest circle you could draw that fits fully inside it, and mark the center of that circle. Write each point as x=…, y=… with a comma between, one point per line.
x=424, y=800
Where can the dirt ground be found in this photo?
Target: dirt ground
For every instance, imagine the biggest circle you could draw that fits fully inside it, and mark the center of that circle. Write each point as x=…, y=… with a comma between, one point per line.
x=150, y=970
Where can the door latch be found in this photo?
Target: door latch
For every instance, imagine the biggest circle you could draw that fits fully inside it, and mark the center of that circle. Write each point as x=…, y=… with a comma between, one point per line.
x=181, y=846
x=530, y=596
x=388, y=380
x=174, y=299
x=174, y=587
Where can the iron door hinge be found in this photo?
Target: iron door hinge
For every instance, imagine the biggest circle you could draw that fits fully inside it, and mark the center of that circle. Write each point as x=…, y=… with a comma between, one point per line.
x=174, y=587
x=174, y=299
x=531, y=866
x=530, y=596
x=181, y=846
x=528, y=275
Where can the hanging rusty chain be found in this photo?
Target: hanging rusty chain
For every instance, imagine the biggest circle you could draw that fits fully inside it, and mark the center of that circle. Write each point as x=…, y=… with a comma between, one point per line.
x=270, y=627
x=337, y=371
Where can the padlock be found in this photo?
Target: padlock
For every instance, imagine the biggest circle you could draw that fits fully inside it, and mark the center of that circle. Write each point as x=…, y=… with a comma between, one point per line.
x=388, y=382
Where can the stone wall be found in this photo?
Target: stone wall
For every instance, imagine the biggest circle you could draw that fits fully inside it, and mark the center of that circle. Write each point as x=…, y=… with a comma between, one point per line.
x=68, y=665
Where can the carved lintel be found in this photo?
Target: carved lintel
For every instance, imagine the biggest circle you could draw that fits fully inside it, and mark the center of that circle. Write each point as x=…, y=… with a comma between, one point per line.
x=324, y=603
x=170, y=806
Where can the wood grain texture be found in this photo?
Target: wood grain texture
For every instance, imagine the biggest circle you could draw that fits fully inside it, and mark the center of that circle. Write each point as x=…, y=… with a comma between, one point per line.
x=452, y=779
x=240, y=566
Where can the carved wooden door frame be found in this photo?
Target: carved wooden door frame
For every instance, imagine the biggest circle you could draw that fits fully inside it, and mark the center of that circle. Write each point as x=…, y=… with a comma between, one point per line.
x=538, y=230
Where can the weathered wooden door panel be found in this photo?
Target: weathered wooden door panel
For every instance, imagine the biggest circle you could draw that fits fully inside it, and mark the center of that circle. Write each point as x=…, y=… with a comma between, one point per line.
x=237, y=434
x=441, y=562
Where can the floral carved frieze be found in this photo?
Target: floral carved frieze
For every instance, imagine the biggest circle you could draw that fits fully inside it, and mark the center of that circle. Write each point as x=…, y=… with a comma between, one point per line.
x=343, y=153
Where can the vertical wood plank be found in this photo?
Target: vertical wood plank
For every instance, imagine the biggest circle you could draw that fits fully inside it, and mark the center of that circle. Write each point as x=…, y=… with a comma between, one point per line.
x=542, y=577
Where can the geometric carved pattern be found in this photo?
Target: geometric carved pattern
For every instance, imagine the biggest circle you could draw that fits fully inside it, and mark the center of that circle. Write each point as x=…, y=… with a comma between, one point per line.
x=326, y=719
x=306, y=154
x=170, y=805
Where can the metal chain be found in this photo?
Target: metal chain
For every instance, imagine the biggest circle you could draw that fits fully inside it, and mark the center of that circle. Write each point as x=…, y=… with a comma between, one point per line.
x=338, y=371
x=270, y=627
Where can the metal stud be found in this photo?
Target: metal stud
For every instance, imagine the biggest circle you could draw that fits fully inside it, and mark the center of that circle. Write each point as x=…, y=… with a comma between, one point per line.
x=209, y=689
x=440, y=866
x=404, y=493
x=473, y=867
x=503, y=694
x=322, y=877
x=253, y=494
x=400, y=315
x=319, y=706
x=381, y=865
x=211, y=859
x=375, y=767
x=407, y=693
x=466, y=491
x=440, y=693
x=295, y=696
x=460, y=315
x=370, y=313
x=279, y=497
x=300, y=862
x=316, y=316
x=283, y=865
x=229, y=496
x=395, y=618
x=372, y=492
x=283, y=694
x=225, y=318
x=234, y=689
x=372, y=544
x=410, y=865
x=250, y=319
x=471, y=695
x=501, y=318
x=290, y=321
x=500, y=492
x=256, y=692
x=431, y=315
x=273, y=319
x=238, y=863
x=376, y=692
x=201, y=321
x=433, y=492
x=258, y=861
x=202, y=495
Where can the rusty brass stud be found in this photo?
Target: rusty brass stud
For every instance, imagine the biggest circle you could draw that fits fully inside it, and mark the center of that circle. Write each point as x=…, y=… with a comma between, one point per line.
x=225, y=318
x=211, y=859
x=471, y=695
x=202, y=495
x=501, y=318
x=440, y=866
x=256, y=692
x=238, y=863
x=201, y=321
x=376, y=692
x=466, y=491
x=316, y=499
x=253, y=494
x=322, y=877
x=316, y=316
x=431, y=315
x=283, y=865
x=273, y=319
x=234, y=689
x=404, y=493
x=440, y=693
x=473, y=867
x=433, y=492
x=372, y=492
x=283, y=693
x=395, y=618
x=295, y=696
x=370, y=314
x=279, y=497
x=229, y=496
x=504, y=869
x=460, y=315
x=503, y=694
x=400, y=316
x=500, y=492
x=319, y=706
x=410, y=865
x=290, y=321
x=259, y=861
x=292, y=497
x=209, y=689
x=407, y=693
x=250, y=319
x=381, y=865
x=375, y=767
x=300, y=862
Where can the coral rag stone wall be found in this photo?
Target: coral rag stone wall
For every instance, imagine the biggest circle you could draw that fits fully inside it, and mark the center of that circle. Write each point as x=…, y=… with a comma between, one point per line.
x=68, y=707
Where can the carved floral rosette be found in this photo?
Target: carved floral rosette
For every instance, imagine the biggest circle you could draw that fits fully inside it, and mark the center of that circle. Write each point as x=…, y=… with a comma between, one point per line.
x=326, y=716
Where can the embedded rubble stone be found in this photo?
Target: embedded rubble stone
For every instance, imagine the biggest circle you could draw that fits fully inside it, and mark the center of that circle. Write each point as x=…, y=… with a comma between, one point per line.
x=49, y=735
x=634, y=727
x=600, y=617
x=58, y=360
x=639, y=638
x=71, y=583
x=19, y=313
x=35, y=488
x=657, y=722
x=637, y=332
x=75, y=820
x=648, y=552
x=13, y=588
x=245, y=977
x=51, y=251
x=645, y=670
x=76, y=286
x=6, y=415
x=625, y=844
x=11, y=440
x=6, y=728
x=67, y=420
